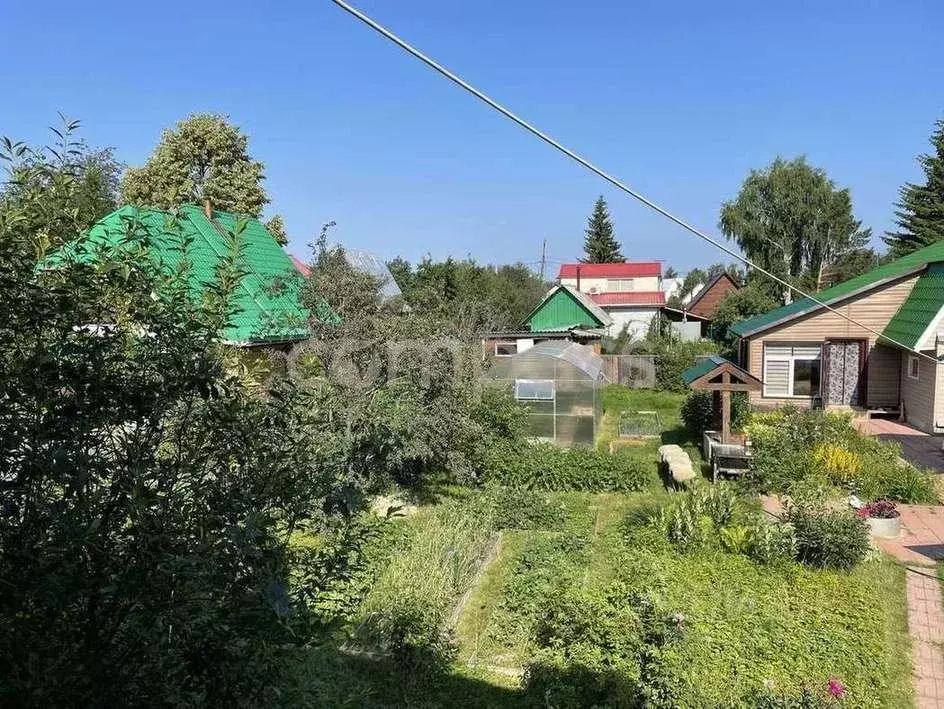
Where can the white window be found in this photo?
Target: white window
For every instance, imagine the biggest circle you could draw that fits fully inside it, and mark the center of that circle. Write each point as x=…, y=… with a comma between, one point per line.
x=792, y=370
x=619, y=285
x=506, y=349
x=534, y=389
x=913, y=368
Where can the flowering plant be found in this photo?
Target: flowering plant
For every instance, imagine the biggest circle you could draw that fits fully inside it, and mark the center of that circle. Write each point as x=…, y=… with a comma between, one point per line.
x=880, y=509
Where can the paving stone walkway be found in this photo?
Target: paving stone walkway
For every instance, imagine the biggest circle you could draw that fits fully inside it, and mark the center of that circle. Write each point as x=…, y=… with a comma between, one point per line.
x=917, y=447
x=920, y=546
x=926, y=626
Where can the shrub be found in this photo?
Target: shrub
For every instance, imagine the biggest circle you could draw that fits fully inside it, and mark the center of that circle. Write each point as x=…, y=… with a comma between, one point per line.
x=544, y=466
x=773, y=544
x=673, y=357
x=841, y=465
x=836, y=539
x=697, y=519
x=698, y=412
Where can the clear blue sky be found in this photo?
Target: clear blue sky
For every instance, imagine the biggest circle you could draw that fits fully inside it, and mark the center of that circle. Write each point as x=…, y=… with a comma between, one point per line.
x=679, y=98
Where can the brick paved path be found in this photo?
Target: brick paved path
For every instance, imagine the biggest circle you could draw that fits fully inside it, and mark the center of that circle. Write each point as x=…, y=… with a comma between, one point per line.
x=926, y=626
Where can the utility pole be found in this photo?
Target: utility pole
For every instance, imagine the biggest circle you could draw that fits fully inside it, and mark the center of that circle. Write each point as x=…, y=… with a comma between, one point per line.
x=543, y=258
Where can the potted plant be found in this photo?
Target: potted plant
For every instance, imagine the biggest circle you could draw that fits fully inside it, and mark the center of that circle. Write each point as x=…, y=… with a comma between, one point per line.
x=883, y=518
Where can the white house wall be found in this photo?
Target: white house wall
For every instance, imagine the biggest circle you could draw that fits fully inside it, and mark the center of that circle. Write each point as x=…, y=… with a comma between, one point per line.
x=587, y=285
x=635, y=320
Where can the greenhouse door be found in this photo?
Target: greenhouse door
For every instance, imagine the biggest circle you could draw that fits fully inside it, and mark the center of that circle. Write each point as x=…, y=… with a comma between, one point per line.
x=845, y=360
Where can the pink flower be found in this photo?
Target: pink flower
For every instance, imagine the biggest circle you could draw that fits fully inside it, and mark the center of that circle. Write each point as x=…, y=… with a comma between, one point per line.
x=836, y=688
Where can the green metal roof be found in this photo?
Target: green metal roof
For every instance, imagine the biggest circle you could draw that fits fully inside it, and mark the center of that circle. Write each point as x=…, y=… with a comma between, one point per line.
x=564, y=308
x=920, y=308
x=910, y=263
x=709, y=363
x=267, y=306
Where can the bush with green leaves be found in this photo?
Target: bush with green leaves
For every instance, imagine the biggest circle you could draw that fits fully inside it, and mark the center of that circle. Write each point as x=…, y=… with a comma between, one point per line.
x=772, y=544
x=699, y=516
x=791, y=447
x=826, y=538
x=673, y=357
x=545, y=466
x=698, y=412
x=147, y=497
x=701, y=412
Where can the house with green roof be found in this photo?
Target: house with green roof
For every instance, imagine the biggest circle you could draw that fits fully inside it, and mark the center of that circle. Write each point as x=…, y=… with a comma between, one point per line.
x=878, y=345
x=267, y=305
x=565, y=313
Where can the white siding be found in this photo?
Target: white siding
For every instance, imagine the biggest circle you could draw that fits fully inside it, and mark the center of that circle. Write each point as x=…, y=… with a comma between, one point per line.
x=648, y=283
x=635, y=319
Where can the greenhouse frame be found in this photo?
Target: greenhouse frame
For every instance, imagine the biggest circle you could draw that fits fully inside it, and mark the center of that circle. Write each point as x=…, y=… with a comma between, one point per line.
x=558, y=381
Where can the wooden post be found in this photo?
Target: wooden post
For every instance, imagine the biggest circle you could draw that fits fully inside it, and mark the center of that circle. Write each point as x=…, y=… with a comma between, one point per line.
x=725, y=408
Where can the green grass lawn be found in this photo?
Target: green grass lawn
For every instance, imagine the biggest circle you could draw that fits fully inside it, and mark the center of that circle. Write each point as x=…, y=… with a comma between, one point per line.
x=745, y=624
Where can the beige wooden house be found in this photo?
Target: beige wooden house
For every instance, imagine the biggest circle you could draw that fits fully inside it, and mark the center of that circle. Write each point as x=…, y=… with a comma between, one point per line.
x=806, y=354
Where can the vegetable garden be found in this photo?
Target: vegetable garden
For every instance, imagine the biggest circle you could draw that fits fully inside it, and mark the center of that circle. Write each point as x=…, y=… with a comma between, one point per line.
x=603, y=588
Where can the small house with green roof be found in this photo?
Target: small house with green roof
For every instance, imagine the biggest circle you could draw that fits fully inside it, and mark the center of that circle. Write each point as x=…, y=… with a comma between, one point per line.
x=267, y=308
x=563, y=314
x=881, y=349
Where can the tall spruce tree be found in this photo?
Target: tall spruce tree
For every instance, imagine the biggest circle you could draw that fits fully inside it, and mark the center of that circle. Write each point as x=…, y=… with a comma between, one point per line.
x=600, y=246
x=920, y=213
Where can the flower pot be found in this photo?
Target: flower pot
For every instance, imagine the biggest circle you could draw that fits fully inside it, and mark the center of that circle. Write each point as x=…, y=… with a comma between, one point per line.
x=884, y=528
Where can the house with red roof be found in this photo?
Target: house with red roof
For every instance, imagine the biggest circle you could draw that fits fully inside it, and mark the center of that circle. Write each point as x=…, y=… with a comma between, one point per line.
x=630, y=292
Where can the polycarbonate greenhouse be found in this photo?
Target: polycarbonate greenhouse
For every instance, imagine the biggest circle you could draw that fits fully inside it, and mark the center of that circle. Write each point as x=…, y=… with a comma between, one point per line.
x=559, y=383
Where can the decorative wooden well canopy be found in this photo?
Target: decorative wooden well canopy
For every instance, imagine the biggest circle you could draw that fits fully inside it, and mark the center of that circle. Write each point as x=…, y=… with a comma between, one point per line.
x=715, y=373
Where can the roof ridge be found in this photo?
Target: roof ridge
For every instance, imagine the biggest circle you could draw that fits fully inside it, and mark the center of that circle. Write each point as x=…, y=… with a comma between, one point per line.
x=906, y=265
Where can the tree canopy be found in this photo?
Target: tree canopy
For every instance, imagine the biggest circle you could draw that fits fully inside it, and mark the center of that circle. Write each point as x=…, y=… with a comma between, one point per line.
x=202, y=157
x=493, y=296
x=792, y=220
x=600, y=245
x=86, y=177
x=920, y=213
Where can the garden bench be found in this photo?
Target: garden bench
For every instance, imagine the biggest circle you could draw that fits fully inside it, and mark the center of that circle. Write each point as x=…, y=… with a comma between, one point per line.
x=677, y=463
x=730, y=459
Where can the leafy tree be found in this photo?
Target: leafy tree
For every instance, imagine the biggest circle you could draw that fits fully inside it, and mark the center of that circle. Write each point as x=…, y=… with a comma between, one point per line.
x=203, y=157
x=736, y=306
x=670, y=273
x=276, y=227
x=852, y=264
x=920, y=213
x=484, y=296
x=600, y=245
x=147, y=498
x=792, y=220
x=92, y=176
x=404, y=377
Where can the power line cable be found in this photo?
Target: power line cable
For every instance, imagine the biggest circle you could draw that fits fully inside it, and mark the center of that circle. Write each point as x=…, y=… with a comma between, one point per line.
x=431, y=63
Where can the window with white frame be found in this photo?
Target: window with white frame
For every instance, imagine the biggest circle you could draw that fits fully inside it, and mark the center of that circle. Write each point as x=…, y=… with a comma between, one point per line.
x=913, y=367
x=792, y=370
x=534, y=389
x=506, y=349
x=619, y=284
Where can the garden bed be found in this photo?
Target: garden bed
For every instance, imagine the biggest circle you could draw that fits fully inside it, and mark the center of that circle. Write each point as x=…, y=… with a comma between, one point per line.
x=746, y=627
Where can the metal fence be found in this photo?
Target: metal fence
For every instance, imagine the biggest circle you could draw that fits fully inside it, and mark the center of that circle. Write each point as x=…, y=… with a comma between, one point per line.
x=635, y=371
